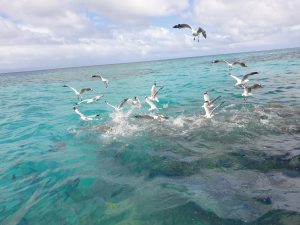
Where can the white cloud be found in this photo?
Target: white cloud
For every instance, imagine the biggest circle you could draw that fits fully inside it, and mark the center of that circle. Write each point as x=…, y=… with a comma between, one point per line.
x=129, y=10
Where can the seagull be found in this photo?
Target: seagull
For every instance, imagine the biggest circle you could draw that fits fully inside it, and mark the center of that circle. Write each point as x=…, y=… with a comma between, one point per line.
x=105, y=81
x=248, y=90
x=154, y=92
x=244, y=80
x=195, y=33
x=206, y=99
x=230, y=65
x=77, y=93
x=83, y=117
x=150, y=102
x=119, y=108
x=90, y=100
x=209, y=114
x=135, y=102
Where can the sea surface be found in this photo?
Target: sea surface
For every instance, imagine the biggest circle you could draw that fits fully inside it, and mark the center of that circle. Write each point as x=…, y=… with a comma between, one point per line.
x=240, y=167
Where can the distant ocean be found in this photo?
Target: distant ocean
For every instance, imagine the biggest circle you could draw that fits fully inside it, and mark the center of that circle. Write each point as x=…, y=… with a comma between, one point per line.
x=241, y=167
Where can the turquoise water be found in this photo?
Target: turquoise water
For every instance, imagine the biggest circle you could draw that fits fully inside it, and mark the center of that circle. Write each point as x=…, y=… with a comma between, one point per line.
x=241, y=167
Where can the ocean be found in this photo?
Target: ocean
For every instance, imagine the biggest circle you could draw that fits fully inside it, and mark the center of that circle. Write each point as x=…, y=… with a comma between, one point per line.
x=240, y=167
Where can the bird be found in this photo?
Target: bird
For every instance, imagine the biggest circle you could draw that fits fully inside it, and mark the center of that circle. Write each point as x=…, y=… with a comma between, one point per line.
x=210, y=113
x=83, y=117
x=90, y=100
x=78, y=93
x=135, y=102
x=195, y=33
x=154, y=92
x=206, y=99
x=244, y=80
x=150, y=103
x=120, y=107
x=105, y=81
x=230, y=65
x=248, y=90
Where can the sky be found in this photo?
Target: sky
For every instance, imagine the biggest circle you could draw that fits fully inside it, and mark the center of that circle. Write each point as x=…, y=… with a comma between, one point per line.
x=38, y=34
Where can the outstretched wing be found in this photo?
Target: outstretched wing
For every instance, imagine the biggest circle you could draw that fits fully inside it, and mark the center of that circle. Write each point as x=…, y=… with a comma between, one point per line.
x=200, y=30
x=234, y=77
x=218, y=106
x=122, y=103
x=182, y=25
x=73, y=89
x=213, y=101
x=84, y=90
x=240, y=63
x=247, y=75
x=219, y=61
x=254, y=86
x=78, y=112
x=96, y=76
x=155, y=94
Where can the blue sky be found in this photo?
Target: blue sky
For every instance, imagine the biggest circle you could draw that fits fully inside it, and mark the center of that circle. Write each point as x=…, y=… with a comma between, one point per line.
x=38, y=34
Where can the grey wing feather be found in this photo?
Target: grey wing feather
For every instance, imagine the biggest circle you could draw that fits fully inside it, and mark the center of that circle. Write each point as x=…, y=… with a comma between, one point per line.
x=182, y=25
x=158, y=91
x=255, y=86
x=200, y=30
x=218, y=106
x=123, y=102
x=249, y=74
x=212, y=102
x=240, y=63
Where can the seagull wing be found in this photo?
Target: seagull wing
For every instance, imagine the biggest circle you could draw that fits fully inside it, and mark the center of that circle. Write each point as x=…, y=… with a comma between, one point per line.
x=73, y=89
x=200, y=30
x=123, y=103
x=84, y=90
x=157, y=91
x=249, y=74
x=130, y=102
x=152, y=105
x=96, y=76
x=182, y=25
x=218, y=106
x=240, y=63
x=114, y=107
x=220, y=61
x=236, y=78
x=78, y=112
x=213, y=101
x=254, y=86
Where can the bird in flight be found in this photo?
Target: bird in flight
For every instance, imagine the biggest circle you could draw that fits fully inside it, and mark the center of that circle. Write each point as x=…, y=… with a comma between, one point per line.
x=195, y=33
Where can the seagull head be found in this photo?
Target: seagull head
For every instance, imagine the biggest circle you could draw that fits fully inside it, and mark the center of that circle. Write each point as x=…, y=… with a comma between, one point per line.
x=176, y=26
x=74, y=107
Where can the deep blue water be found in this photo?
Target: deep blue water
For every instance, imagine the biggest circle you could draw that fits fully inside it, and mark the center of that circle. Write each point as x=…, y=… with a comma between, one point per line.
x=241, y=167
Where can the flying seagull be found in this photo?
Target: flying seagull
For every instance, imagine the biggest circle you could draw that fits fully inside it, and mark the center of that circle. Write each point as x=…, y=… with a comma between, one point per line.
x=210, y=103
x=119, y=108
x=230, y=65
x=105, y=81
x=83, y=117
x=210, y=113
x=195, y=33
x=151, y=104
x=135, y=102
x=90, y=100
x=78, y=93
x=248, y=90
x=154, y=92
x=244, y=80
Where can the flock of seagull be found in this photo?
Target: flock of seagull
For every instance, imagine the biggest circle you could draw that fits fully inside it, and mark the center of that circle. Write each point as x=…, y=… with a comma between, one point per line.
x=135, y=103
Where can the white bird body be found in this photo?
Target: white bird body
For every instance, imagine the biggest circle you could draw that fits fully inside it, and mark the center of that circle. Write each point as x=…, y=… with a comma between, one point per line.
x=84, y=117
x=135, y=102
x=151, y=104
x=210, y=113
x=246, y=93
x=239, y=81
x=230, y=65
x=207, y=100
x=248, y=90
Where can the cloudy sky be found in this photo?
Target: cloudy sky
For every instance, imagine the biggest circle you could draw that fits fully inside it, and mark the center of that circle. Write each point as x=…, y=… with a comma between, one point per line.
x=38, y=34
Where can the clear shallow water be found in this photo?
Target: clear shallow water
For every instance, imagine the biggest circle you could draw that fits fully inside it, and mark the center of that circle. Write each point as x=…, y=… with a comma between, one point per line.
x=241, y=167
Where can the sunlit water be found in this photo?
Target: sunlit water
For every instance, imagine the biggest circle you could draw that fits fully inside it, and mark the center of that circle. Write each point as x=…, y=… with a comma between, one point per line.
x=241, y=167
